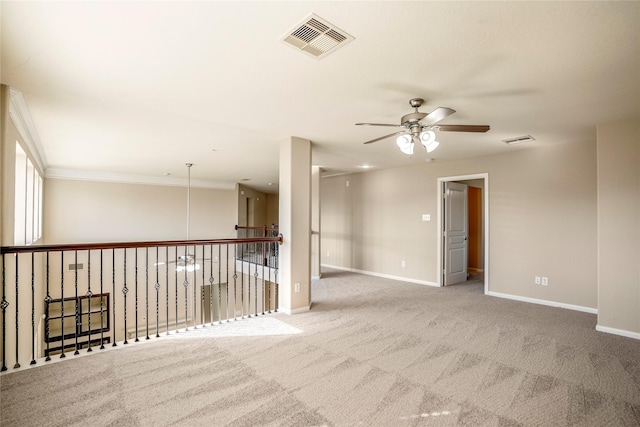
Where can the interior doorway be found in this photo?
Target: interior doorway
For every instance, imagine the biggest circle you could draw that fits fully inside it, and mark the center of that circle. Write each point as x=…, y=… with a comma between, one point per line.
x=468, y=224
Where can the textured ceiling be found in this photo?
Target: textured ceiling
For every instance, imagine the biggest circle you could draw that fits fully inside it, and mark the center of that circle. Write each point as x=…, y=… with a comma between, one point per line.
x=145, y=87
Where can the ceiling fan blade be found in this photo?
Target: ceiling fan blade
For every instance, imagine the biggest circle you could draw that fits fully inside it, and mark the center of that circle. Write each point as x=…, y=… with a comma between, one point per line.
x=463, y=128
x=378, y=124
x=386, y=136
x=438, y=114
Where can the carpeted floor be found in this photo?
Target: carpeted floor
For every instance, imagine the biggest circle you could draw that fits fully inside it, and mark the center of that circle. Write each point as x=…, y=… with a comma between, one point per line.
x=370, y=352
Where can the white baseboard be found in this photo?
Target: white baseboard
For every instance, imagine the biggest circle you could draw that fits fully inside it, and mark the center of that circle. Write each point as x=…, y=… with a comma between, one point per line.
x=385, y=276
x=621, y=332
x=295, y=310
x=544, y=302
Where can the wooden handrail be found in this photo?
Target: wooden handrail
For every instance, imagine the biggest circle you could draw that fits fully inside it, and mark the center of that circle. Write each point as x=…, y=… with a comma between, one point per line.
x=122, y=245
x=242, y=227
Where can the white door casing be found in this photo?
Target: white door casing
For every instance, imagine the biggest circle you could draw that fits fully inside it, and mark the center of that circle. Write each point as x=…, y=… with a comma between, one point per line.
x=455, y=232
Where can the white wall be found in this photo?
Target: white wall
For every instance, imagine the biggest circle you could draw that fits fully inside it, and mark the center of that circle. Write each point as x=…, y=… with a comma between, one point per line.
x=542, y=221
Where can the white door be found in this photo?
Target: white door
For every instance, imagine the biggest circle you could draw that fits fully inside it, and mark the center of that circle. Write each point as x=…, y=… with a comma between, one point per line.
x=455, y=233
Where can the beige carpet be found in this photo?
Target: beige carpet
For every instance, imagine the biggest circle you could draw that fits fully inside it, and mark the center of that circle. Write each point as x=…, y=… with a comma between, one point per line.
x=371, y=352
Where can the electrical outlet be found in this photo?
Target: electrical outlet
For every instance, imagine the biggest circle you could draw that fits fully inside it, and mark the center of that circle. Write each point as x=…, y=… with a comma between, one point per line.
x=426, y=217
x=538, y=280
x=297, y=287
x=403, y=264
x=545, y=281
x=328, y=253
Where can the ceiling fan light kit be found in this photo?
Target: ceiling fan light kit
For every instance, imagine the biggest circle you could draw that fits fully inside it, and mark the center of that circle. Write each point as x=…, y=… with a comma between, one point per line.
x=419, y=128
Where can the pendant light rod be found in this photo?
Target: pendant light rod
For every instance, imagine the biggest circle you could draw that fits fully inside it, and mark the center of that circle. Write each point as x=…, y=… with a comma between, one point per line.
x=188, y=196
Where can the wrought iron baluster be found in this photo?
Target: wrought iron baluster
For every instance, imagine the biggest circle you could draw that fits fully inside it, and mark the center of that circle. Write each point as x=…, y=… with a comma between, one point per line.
x=135, y=282
x=202, y=289
x=235, y=279
x=211, y=281
x=264, y=283
x=17, y=364
x=4, y=304
x=77, y=301
x=157, y=287
x=125, y=290
x=62, y=355
x=89, y=295
x=185, y=284
x=101, y=304
x=33, y=311
x=175, y=270
x=113, y=292
x=255, y=286
x=146, y=290
x=166, y=283
x=195, y=286
x=276, y=290
x=242, y=287
x=227, y=274
x=47, y=301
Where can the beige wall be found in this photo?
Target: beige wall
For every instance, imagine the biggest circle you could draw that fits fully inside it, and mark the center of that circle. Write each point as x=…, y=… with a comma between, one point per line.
x=542, y=221
x=273, y=216
x=86, y=211
x=619, y=225
x=259, y=207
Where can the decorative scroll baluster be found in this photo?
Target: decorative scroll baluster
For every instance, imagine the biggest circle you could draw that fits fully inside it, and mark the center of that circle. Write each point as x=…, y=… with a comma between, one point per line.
x=101, y=305
x=276, y=289
x=157, y=288
x=77, y=314
x=89, y=295
x=47, y=301
x=211, y=281
x=195, y=288
x=175, y=271
x=33, y=311
x=255, y=285
x=125, y=290
x=185, y=284
x=235, y=279
x=269, y=285
x=135, y=284
x=3, y=305
x=203, y=321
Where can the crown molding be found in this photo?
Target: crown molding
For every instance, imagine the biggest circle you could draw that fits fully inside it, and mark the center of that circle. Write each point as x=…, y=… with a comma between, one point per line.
x=21, y=118
x=123, y=178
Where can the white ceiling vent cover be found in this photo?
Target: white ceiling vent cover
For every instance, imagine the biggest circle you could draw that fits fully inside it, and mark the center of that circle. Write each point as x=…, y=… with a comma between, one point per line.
x=316, y=37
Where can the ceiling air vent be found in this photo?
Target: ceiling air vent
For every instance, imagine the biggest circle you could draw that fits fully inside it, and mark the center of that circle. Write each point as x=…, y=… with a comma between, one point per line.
x=316, y=37
x=518, y=139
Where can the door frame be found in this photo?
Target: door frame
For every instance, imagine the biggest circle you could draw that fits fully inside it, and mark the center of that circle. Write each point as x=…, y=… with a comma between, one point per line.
x=485, y=219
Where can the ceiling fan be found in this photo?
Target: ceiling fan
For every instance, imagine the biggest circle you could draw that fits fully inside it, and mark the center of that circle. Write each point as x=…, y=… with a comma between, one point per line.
x=420, y=127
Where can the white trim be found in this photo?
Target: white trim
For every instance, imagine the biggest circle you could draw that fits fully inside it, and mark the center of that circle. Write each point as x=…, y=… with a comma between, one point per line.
x=21, y=118
x=385, y=276
x=85, y=175
x=621, y=332
x=295, y=310
x=544, y=302
x=485, y=214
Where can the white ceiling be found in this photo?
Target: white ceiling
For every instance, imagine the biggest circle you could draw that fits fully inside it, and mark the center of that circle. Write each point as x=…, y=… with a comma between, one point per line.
x=145, y=87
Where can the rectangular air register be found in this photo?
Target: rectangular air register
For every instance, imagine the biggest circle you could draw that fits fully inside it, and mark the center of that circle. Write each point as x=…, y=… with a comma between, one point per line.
x=518, y=139
x=316, y=37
